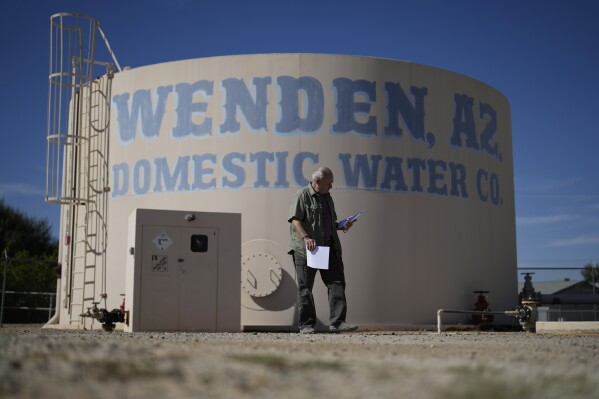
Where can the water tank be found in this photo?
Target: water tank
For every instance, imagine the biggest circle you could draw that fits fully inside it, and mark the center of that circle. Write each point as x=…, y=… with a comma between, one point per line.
x=425, y=152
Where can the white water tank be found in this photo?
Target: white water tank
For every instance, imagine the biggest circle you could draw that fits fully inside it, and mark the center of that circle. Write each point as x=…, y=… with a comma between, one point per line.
x=427, y=153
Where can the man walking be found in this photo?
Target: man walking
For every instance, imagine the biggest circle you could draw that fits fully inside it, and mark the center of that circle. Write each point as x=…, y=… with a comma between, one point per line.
x=314, y=223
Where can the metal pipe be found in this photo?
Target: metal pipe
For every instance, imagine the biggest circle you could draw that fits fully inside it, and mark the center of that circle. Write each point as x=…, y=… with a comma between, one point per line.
x=513, y=313
x=109, y=48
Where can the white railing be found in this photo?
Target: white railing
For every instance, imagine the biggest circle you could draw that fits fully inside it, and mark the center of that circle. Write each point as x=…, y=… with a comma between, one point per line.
x=50, y=308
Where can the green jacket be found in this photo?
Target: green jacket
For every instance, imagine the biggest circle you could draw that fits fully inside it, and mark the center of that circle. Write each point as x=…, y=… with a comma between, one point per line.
x=306, y=208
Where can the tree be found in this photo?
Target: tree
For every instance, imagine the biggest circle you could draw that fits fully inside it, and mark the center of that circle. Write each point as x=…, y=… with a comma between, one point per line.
x=32, y=266
x=591, y=273
x=19, y=232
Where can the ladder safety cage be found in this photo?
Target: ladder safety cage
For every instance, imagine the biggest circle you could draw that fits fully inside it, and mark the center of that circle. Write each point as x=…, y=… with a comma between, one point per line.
x=70, y=91
x=77, y=151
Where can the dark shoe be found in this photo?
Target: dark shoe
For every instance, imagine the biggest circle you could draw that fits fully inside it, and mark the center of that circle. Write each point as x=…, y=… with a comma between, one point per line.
x=307, y=330
x=343, y=327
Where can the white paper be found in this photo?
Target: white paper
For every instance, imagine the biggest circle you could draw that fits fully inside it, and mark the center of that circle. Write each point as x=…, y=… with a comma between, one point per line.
x=319, y=258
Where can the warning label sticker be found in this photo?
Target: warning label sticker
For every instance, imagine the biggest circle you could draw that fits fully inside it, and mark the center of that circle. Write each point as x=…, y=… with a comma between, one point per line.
x=159, y=263
x=162, y=241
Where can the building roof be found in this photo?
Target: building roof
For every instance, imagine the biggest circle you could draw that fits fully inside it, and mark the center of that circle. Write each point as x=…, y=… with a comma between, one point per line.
x=553, y=287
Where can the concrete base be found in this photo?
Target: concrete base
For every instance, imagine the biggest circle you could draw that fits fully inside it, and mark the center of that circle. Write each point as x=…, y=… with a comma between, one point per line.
x=567, y=326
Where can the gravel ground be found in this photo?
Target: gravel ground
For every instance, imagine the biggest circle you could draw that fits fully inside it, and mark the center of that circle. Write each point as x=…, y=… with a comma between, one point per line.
x=41, y=363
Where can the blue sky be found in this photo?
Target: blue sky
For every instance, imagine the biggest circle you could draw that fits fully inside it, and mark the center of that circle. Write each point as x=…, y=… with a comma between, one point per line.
x=542, y=55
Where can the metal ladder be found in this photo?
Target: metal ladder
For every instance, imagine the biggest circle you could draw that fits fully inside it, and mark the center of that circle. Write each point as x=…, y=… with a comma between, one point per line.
x=90, y=231
x=77, y=156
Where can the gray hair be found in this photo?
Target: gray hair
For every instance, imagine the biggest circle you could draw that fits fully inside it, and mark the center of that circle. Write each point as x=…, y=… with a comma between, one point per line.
x=321, y=173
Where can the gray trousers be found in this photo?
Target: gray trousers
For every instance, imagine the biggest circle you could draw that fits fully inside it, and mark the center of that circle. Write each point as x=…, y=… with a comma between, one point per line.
x=333, y=278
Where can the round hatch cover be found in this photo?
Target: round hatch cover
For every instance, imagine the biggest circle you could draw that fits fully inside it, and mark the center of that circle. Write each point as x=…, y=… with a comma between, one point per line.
x=261, y=274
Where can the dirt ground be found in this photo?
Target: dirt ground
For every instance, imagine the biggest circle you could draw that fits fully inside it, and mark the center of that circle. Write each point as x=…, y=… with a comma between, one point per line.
x=42, y=363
